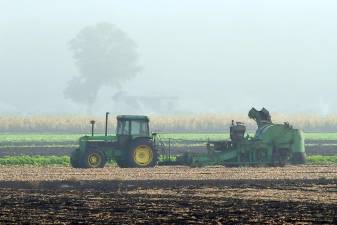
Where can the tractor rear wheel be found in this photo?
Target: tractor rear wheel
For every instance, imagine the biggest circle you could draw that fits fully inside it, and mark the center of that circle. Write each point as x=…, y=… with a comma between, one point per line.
x=75, y=160
x=142, y=154
x=94, y=159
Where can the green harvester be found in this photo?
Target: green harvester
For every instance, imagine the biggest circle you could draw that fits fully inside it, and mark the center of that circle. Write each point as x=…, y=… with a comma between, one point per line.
x=272, y=145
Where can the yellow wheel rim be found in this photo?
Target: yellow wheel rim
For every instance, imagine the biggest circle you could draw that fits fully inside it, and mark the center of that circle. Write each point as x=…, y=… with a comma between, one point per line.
x=143, y=155
x=94, y=159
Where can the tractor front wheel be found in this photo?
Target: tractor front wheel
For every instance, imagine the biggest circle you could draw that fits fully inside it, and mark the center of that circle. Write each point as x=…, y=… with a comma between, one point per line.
x=94, y=159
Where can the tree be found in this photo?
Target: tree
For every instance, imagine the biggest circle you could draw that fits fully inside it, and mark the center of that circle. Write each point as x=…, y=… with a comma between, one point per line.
x=105, y=56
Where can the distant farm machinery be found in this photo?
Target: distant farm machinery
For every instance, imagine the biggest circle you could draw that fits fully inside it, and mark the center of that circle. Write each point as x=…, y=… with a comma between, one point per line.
x=272, y=145
x=133, y=146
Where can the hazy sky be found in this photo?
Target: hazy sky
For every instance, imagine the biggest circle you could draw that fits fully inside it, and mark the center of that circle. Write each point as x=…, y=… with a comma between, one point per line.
x=210, y=56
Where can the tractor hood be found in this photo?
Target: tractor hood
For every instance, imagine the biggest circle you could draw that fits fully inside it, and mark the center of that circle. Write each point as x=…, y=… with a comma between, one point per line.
x=99, y=138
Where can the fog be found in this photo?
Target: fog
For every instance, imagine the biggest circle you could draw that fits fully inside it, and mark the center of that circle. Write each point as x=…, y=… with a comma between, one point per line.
x=195, y=56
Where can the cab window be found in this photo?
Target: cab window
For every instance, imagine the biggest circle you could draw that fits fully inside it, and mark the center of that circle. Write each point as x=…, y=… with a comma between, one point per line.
x=139, y=128
x=123, y=127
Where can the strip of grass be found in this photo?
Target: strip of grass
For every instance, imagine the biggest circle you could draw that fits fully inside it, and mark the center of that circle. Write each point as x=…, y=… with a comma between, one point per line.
x=322, y=160
x=35, y=160
x=64, y=160
x=39, y=137
x=321, y=136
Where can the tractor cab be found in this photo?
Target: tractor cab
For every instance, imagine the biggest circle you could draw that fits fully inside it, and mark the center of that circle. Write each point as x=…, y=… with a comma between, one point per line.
x=130, y=127
x=135, y=126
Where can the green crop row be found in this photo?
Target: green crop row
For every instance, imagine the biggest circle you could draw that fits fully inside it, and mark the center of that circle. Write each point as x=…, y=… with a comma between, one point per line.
x=322, y=160
x=39, y=137
x=34, y=160
x=64, y=160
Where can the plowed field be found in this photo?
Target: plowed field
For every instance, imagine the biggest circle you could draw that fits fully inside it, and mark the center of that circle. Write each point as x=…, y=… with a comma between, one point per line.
x=166, y=195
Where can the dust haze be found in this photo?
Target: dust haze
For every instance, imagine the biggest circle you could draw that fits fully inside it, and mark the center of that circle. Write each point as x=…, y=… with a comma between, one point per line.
x=176, y=57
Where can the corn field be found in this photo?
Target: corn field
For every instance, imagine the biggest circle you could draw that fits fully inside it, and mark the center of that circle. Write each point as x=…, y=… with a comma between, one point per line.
x=176, y=123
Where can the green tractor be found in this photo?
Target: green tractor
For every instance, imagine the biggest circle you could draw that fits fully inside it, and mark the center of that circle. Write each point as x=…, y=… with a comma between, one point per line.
x=132, y=146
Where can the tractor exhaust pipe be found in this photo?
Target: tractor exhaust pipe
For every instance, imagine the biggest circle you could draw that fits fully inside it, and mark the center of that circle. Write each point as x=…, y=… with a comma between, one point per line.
x=92, y=122
x=106, y=123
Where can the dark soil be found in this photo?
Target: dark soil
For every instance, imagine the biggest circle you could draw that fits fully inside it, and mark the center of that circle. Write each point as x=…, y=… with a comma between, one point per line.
x=167, y=202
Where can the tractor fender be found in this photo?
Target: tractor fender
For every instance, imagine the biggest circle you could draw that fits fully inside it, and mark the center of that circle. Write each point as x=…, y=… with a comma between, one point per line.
x=96, y=146
x=139, y=139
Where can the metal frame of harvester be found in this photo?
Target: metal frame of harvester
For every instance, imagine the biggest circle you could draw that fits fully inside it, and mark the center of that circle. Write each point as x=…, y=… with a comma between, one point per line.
x=133, y=146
